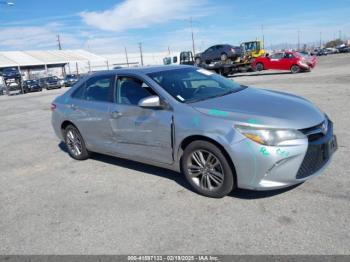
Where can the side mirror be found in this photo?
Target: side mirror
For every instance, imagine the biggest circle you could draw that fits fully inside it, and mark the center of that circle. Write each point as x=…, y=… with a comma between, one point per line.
x=150, y=101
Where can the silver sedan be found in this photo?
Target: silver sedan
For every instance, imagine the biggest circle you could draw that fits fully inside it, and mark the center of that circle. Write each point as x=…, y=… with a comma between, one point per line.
x=220, y=134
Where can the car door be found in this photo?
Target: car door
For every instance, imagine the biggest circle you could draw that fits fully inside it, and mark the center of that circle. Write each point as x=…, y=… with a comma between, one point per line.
x=144, y=133
x=208, y=54
x=275, y=61
x=90, y=111
x=218, y=50
x=287, y=61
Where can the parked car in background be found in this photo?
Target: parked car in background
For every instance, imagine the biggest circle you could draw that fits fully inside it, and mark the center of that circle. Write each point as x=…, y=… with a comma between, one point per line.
x=321, y=52
x=12, y=79
x=2, y=86
x=220, y=134
x=332, y=50
x=217, y=53
x=31, y=86
x=51, y=82
x=293, y=61
x=344, y=49
x=71, y=79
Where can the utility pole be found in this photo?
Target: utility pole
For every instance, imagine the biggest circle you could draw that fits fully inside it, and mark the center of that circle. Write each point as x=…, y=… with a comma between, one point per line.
x=340, y=34
x=140, y=47
x=298, y=40
x=320, y=39
x=263, y=36
x=193, y=47
x=126, y=56
x=59, y=42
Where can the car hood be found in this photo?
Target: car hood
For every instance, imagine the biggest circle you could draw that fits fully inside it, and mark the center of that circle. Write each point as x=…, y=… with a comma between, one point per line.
x=263, y=108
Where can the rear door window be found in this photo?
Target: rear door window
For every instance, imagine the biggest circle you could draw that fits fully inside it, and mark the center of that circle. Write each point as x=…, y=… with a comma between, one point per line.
x=98, y=88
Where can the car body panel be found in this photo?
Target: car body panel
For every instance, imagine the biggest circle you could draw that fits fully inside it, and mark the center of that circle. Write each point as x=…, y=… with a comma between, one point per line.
x=214, y=53
x=155, y=136
x=285, y=61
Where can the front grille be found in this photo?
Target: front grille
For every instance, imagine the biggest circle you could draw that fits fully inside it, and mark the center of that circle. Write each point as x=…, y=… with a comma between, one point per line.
x=314, y=160
x=319, y=150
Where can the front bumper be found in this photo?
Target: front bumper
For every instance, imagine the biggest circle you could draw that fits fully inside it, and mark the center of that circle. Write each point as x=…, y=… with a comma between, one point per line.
x=268, y=167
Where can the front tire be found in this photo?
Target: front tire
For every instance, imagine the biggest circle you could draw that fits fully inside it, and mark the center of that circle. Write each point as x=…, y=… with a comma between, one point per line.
x=75, y=143
x=295, y=69
x=207, y=169
x=223, y=57
x=198, y=61
x=259, y=67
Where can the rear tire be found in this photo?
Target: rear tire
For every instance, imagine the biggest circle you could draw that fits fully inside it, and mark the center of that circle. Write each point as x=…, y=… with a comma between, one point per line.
x=295, y=69
x=207, y=169
x=75, y=143
x=223, y=57
x=198, y=61
x=259, y=67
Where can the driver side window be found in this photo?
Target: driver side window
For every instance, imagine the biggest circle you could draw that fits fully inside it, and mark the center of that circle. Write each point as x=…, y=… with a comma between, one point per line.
x=277, y=56
x=131, y=90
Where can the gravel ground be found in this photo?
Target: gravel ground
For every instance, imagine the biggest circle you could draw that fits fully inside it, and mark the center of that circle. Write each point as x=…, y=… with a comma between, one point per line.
x=51, y=204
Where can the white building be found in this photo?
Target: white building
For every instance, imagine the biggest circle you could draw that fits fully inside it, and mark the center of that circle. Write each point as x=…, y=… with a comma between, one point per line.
x=36, y=64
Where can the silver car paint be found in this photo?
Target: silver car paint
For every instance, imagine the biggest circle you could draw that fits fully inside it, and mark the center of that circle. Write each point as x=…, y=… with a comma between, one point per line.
x=155, y=136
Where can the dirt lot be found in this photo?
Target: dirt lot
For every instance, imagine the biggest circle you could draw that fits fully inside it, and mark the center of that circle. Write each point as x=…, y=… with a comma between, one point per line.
x=51, y=204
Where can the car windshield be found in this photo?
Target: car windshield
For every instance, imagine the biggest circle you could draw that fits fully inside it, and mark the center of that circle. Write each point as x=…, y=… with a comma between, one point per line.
x=52, y=78
x=71, y=76
x=189, y=85
x=9, y=70
x=31, y=82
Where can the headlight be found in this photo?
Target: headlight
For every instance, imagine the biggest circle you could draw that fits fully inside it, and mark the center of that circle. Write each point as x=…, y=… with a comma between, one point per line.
x=269, y=137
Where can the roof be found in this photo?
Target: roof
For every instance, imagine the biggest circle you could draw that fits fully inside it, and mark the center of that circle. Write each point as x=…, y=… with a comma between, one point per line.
x=38, y=58
x=145, y=70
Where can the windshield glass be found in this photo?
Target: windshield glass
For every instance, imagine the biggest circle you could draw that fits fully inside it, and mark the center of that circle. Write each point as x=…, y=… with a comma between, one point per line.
x=189, y=85
x=71, y=76
x=31, y=82
x=52, y=78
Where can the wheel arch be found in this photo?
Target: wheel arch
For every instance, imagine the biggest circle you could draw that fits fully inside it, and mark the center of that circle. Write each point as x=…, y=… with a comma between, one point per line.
x=188, y=140
x=259, y=62
x=66, y=123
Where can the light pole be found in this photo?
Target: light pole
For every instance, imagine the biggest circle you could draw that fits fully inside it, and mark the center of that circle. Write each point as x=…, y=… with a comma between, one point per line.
x=263, y=36
x=141, y=55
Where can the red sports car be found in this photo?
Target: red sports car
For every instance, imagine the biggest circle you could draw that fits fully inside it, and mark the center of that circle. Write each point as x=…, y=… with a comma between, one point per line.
x=293, y=61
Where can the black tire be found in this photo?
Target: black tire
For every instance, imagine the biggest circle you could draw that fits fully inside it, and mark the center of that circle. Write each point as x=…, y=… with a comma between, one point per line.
x=82, y=153
x=198, y=61
x=223, y=57
x=259, y=67
x=227, y=174
x=295, y=69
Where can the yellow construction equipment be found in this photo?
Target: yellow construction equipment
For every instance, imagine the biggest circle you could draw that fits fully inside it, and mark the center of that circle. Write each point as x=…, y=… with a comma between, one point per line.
x=253, y=49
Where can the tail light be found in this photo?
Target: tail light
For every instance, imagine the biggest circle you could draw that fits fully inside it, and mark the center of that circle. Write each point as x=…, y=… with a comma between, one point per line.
x=53, y=107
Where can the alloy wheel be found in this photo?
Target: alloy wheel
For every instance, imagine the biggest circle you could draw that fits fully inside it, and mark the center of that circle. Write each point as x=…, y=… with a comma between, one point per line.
x=205, y=170
x=73, y=142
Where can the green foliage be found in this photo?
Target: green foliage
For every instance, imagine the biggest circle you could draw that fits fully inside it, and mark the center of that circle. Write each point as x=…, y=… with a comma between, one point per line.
x=334, y=43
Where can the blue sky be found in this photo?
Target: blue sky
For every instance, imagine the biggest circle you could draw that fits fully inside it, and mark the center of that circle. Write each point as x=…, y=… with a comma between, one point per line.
x=108, y=26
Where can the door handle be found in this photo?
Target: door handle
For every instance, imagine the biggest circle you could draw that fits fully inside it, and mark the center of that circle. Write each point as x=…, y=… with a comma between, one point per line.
x=73, y=107
x=116, y=114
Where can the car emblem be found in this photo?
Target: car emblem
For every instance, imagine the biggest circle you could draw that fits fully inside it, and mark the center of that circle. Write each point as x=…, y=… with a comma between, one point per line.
x=324, y=127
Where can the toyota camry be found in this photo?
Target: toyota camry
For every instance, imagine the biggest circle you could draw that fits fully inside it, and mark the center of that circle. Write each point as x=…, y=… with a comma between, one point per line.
x=219, y=134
